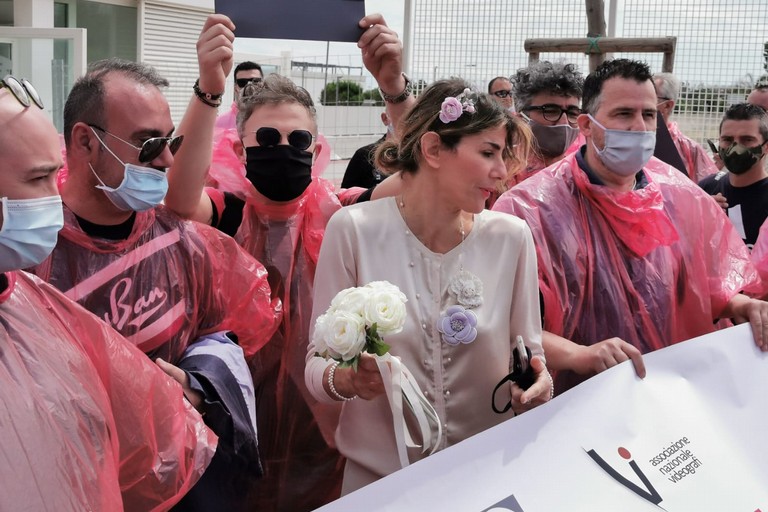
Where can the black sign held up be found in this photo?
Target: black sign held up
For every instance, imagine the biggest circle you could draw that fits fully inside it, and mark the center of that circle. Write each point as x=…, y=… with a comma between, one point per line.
x=311, y=20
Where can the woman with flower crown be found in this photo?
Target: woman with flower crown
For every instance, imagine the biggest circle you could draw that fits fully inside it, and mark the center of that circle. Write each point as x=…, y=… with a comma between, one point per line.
x=448, y=255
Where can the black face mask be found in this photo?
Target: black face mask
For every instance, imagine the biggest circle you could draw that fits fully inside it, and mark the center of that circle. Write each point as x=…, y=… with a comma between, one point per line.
x=739, y=159
x=279, y=173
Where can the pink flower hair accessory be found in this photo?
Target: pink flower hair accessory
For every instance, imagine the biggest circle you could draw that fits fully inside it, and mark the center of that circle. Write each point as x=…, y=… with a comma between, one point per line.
x=453, y=107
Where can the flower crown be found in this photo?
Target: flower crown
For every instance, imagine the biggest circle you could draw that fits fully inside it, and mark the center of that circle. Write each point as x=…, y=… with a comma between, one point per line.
x=453, y=107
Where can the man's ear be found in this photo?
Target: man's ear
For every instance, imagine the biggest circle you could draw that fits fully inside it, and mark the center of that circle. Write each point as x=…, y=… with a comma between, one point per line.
x=585, y=124
x=239, y=149
x=431, y=149
x=83, y=142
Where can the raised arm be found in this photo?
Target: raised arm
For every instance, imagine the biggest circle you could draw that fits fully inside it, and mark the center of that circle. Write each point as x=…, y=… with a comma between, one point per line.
x=383, y=57
x=186, y=177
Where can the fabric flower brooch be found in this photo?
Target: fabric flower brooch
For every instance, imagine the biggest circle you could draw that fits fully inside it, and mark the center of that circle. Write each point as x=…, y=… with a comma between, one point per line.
x=458, y=323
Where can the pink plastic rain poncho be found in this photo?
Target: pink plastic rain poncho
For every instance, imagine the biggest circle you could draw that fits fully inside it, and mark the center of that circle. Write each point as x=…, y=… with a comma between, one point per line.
x=534, y=165
x=167, y=284
x=302, y=469
x=760, y=259
x=698, y=165
x=653, y=266
x=87, y=422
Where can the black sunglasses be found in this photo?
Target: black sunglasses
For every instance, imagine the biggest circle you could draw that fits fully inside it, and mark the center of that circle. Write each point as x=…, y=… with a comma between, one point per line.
x=22, y=90
x=299, y=139
x=502, y=94
x=242, y=82
x=553, y=113
x=150, y=148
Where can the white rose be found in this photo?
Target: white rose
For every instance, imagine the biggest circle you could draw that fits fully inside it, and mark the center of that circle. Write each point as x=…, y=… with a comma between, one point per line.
x=351, y=300
x=320, y=334
x=383, y=286
x=385, y=308
x=345, y=335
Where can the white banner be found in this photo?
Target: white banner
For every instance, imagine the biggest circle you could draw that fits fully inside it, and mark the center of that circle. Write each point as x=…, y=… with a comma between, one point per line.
x=689, y=437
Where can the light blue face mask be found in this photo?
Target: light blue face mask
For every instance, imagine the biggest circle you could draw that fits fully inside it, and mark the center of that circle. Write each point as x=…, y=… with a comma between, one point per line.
x=625, y=152
x=142, y=188
x=29, y=232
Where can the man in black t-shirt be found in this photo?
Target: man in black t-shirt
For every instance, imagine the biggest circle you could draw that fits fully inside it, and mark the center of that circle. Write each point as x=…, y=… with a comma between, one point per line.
x=743, y=182
x=361, y=169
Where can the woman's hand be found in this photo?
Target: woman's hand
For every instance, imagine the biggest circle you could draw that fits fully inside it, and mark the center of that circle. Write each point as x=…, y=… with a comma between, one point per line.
x=539, y=393
x=365, y=382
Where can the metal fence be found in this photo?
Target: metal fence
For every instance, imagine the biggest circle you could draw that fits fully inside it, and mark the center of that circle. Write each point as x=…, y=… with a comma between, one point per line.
x=719, y=54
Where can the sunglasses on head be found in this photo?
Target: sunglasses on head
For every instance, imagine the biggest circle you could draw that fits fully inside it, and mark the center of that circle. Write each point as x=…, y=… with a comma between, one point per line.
x=553, y=113
x=22, y=90
x=150, y=148
x=299, y=139
x=502, y=94
x=242, y=82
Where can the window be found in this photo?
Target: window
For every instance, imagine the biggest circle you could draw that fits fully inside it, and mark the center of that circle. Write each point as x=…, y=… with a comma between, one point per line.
x=112, y=29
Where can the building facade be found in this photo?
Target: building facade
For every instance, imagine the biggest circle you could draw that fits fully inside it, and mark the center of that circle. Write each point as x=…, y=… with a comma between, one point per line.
x=50, y=42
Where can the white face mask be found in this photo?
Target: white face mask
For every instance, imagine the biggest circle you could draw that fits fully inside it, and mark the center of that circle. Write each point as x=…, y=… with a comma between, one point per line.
x=29, y=232
x=142, y=188
x=625, y=151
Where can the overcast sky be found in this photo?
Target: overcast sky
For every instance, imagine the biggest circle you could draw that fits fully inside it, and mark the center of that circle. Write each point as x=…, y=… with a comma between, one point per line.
x=719, y=41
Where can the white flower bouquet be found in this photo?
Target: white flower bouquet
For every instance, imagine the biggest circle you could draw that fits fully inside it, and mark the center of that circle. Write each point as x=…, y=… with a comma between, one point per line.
x=356, y=321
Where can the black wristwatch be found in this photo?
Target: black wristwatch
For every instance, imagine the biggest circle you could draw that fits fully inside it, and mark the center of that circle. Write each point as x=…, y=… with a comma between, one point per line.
x=399, y=98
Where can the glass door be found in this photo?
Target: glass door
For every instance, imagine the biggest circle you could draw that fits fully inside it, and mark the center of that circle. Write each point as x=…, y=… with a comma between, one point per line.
x=50, y=58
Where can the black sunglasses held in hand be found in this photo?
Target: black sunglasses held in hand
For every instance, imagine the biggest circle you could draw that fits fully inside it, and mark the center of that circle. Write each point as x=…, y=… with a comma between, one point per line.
x=553, y=113
x=22, y=90
x=150, y=148
x=268, y=136
x=242, y=82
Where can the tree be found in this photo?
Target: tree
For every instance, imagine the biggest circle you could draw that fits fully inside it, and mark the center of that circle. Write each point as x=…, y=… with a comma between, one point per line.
x=349, y=94
x=373, y=97
x=342, y=92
